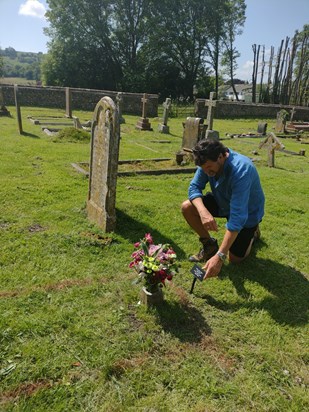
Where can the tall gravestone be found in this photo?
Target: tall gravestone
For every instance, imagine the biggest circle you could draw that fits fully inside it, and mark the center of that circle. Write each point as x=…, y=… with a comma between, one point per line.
x=164, y=128
x=105, y=136
x=211, y=104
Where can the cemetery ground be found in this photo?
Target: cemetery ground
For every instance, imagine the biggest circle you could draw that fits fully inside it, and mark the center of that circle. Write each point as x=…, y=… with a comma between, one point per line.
x=72, y=335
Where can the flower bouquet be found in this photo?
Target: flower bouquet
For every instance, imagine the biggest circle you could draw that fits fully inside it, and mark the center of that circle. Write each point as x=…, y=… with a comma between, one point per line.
x=154, y=263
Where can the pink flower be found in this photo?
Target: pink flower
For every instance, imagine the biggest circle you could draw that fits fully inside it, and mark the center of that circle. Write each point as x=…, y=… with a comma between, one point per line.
x=137, y=244
x=153, y=249
x=148, y=238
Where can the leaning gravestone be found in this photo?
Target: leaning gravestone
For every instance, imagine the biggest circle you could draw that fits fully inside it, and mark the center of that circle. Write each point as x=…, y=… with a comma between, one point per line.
x=105, y=136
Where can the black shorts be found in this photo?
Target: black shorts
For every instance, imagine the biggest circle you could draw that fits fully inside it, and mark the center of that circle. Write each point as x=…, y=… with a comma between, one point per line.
x=244, y=237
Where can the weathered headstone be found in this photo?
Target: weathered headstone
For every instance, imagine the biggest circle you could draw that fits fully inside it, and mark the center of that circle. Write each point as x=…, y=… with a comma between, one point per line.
x=68, y=102
x=119, y=100
x=280, y=124
x=193, y=132
x=262, y=127
x=272, y=143
x=3, y=110
x=105, y=136
x=18, y=112
x=282, y=117
x=143, y=123
x=164, y=128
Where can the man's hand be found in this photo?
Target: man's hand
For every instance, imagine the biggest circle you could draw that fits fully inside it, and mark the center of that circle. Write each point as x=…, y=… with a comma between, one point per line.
x=208, y=222
x=213, y=267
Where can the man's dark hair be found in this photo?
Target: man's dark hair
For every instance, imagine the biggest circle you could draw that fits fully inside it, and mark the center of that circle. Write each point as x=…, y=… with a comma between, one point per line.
x=208, y=149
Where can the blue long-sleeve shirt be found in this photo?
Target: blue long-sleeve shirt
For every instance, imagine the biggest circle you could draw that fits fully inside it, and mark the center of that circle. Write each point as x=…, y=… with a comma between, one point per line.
x=238, y=191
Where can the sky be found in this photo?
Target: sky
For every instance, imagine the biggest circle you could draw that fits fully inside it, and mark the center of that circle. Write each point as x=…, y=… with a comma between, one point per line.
x=267, y=23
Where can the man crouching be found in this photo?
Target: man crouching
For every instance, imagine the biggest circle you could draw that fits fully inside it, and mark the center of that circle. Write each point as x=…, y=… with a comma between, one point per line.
x=236, y=194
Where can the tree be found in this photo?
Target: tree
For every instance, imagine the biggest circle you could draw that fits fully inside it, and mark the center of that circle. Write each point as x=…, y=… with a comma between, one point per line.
x=233, y=27
x=135, y=45
x=180, y=38
x=301, y=83
x=215, y=24
x=105, y=38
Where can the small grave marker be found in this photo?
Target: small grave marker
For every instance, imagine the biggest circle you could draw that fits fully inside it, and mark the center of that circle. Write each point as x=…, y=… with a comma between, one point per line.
x=198, y=273
x=262, y=127
x=105, y=136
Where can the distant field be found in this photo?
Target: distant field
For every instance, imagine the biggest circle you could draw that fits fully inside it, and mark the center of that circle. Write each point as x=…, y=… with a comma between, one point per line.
x=17, y=80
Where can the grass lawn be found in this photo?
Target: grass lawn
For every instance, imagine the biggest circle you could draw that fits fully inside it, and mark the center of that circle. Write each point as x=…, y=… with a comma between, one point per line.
x=72, y=335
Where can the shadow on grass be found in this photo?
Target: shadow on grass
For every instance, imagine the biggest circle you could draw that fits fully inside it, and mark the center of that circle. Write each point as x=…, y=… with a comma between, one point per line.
x=183, y=321
x=26, y=134
x=289, y=289
x=133, y=230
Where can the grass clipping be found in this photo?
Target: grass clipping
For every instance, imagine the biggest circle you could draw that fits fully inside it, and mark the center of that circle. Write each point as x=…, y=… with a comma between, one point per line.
x=70, y=134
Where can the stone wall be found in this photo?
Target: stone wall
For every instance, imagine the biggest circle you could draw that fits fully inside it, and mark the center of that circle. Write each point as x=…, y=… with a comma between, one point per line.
x=82, y=99
x=225, y=109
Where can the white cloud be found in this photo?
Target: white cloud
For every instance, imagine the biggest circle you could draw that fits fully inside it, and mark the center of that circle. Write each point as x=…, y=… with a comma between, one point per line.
x=33, y=8
x=245, y=71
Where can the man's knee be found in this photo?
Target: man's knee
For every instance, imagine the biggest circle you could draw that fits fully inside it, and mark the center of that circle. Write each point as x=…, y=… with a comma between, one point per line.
x=186, y=206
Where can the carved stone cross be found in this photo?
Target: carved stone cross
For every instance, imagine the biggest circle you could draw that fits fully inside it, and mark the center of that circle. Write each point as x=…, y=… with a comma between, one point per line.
x=272, y=143
x=211, y=104
x=167, y=106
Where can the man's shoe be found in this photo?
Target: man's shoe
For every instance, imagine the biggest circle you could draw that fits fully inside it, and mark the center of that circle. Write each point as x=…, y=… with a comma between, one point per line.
x=209, y=249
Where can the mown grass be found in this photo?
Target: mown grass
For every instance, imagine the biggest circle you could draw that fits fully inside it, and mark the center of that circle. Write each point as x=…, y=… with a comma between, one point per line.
x=72, y=335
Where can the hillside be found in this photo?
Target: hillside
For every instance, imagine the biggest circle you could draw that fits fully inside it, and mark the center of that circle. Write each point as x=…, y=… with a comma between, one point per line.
x=21, y=64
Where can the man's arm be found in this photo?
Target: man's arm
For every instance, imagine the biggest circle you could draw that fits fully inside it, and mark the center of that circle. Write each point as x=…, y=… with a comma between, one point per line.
x=206, y=217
